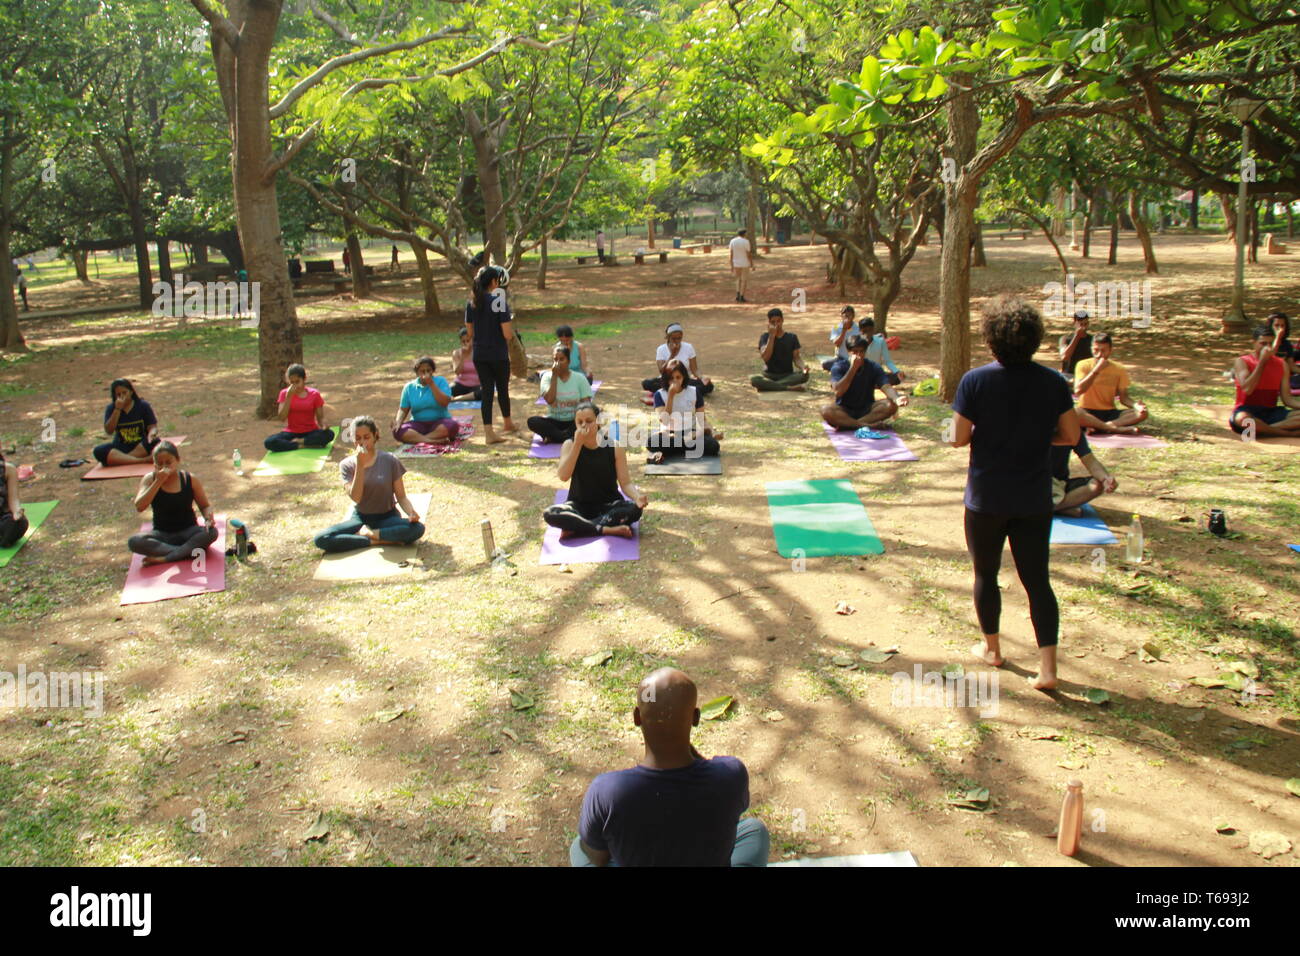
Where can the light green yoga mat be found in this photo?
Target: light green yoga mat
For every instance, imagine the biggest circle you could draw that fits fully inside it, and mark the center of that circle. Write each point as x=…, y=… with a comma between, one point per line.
x=36, y=513
x=300, y=461
x=819, y=518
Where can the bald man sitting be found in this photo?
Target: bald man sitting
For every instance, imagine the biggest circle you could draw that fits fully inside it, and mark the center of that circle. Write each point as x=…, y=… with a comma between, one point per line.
x=674, y=808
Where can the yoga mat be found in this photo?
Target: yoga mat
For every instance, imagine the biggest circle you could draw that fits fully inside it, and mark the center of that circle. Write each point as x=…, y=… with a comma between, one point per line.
x=36, y=513
x=1293, y=547
x=367, y=564
x=177, y=579
x=300, y=461
x=1089, y=529
x=781, y=396
x=820, y=518
x=127, y=471
x=851, y=448
x=428, y=450
x=463, y=407
x=540, y=449
x=595, y=387
x=704, y=465
x=588, y=550
x=1108, y=440
x=896, y=858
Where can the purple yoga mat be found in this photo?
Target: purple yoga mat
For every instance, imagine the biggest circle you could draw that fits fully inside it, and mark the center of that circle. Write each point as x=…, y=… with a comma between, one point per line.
x=588, y=550
x=1109, y=440
x=595, y=387
x=540, y=449
x=852, y=448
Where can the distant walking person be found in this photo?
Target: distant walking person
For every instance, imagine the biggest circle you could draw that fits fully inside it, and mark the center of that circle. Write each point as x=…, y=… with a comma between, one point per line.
x=600, y=245
x=740, y=249
x=22, y=290
x=1011, y=412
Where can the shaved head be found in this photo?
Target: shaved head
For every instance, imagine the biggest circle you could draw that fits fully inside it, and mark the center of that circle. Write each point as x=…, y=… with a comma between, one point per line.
x=666, y=707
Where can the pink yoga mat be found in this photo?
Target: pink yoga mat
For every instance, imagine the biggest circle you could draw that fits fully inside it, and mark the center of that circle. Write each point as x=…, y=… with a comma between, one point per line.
x=540, y=449
x=1109, y=440
x=595, y=386
x=128, y=471
x=588, y=550
x=178, y=579
x=852, y=448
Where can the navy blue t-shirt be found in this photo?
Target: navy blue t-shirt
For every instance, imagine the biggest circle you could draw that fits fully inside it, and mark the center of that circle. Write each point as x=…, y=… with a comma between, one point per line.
x=1014, y=409
x=861, y=393
x=1061, y=456
x=682, y=817
x=133, y=426
x=489, y=340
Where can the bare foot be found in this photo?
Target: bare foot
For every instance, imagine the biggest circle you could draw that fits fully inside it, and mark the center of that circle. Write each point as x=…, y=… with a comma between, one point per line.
x=1127, y=430
x=1071, y=512
x=372, y=535
x=510, y=429
x=992, y=658
x=798, y=388
x=151, y=560
x=492, y=438
x=618, y=531
x=717, y=436
x=657, y=458
x=568, y=535
x=1044, y=681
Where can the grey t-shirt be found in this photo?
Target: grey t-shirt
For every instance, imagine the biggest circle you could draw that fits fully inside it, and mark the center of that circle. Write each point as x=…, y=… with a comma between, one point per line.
x=377, y=490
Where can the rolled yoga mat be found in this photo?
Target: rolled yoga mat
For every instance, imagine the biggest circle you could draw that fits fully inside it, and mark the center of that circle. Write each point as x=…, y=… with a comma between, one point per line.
x=588, y=550
x=128, y=471
x=36, y=513
x=1110, y=440
x=820, y=518
x=851, y=448
x=300, y=461
x=177, y=579
x=1089, y=529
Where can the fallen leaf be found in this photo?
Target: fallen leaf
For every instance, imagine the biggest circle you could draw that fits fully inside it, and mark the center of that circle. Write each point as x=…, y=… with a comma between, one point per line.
x=874, y=656
x=774, y=716
x=1155, y=651
x=1096, y=696
x=1224, y=827
x=1040, y=733
x=716, y=707
x=842, y=660
x=388, y=716
x=1245, y=668
x=598, y=659
x=520, y=701
x=954, y=671
x=319, y=830
x=1209, y=682
x=1071, y=764
x=1268, y=844
x=974, y=799
x=1294, y=786
x=510, y=733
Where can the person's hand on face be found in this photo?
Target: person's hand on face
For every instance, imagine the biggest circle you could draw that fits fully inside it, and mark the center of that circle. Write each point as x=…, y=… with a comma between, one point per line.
x=120, y=402
x=586, y=434
x=1266, y=353
x=164, y=473
x=675, y=385
x=364, y=458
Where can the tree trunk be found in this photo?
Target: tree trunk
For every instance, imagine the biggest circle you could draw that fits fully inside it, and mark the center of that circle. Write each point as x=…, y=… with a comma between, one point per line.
x=1252, y=223
x=432, y=308
x=11, y=337
x=1228, y=204
x=143, y=267
x=80, y=264
x=978, y=259
x=164, y=261
x=751, y=216
x=883, y=295
x=541, y=266
x=243, y=77
x=1194, y=214
x=201, y=258
x=649, y=236
x=960, y=199
x=1290, y=226
x=1114, y=239
x=1144, y=235
x=1087, y=227
x=487, y=158
x=360, y=287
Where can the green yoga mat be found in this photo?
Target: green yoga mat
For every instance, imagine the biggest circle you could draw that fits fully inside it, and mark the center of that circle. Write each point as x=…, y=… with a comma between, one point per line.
x=36, y=513
x=818, y=518
x=300, y=461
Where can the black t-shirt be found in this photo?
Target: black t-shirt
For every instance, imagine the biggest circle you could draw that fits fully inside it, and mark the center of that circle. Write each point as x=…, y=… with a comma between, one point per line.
x=1081, y=351
x=132, y=425
x=1014, y=409
x=861, y=393
x=489, y=340
x=782, y=360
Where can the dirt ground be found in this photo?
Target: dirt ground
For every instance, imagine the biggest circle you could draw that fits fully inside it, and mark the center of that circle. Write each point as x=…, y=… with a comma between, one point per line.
x=236, y=721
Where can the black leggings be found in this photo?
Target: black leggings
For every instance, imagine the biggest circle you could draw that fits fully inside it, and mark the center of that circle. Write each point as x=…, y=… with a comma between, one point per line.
x=474, y=392
x=1031, y=550
x=173, y=545
x=589, y=519
x=673, y=445
x=11, y=529
x=494, y=376
x=552, y=429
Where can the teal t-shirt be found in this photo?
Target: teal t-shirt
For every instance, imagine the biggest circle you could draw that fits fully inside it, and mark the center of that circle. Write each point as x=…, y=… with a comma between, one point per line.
x=567, y=394
x=419, y=399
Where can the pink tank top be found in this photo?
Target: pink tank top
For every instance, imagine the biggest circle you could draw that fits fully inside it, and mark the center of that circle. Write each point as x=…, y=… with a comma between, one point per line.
x=468, y=373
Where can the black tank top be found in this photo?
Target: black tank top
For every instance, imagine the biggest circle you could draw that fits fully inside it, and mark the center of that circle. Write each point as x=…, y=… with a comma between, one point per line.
x=595, y=480
x=4, y=491
x=174, y=511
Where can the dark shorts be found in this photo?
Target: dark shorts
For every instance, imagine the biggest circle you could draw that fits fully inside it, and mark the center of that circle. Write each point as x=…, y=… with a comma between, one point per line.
x=101, y=451
x=1061, y=488
x=1267, y=415
x=427, y=428
x=1106, y=414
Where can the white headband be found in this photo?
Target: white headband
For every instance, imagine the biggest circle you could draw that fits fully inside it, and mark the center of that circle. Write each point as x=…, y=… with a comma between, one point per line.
x=673, y=328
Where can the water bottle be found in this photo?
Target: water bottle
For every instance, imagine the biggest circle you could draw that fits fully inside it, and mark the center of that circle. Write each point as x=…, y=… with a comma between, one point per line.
x=241, y=538
x=1070, y=830
x=489, y=542
x=239, y=464
x=1133, y=550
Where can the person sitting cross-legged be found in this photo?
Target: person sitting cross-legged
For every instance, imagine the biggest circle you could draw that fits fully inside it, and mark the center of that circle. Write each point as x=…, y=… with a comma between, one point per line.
x=424, y=400
x=1260, y=377
x=1069, y=495
x=675, y=807
x=602, y=499
x=1099, y=381
x=373, y=481
x=855, y=394
x=562, y=389
x=302, y=409
x=780, y=352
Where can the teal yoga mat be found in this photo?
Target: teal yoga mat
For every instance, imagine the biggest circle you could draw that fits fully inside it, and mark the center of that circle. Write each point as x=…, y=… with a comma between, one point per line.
x=36, y=513
x=819, y=518
x=300, y=461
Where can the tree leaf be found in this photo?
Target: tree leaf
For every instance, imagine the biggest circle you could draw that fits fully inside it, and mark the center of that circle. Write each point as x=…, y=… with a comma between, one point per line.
x=598, y=659
x=1207, y=682
x=874, y=655
x=520, y=701
x=319, y=830
x=716, y=707
x=1294, y=786
x=1096, y=696
x=976, y=798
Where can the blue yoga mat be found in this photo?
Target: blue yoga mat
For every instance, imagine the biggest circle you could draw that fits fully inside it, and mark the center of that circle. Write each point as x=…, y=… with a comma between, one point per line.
x=1089, y=529
x=1294, y=547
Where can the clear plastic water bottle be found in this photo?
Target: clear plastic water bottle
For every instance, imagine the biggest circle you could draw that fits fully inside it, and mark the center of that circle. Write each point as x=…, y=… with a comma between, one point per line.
x=1133, y=548
x=239, y=464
